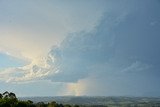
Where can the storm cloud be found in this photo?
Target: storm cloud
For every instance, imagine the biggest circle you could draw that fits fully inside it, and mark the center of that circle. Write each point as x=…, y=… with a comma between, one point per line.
x=119, y=56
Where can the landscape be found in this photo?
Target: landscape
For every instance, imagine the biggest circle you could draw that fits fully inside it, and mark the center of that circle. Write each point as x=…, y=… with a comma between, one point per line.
x=79, y=53
x=9, y=99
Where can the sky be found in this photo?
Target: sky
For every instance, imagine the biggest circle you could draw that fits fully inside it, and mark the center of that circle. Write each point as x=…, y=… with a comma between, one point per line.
x=80, y=48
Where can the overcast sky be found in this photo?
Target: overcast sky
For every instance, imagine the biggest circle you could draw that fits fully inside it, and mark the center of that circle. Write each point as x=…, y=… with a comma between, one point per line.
x=86, y=47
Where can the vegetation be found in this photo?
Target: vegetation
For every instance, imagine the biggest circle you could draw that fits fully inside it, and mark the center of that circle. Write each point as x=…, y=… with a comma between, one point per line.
x=9, y=99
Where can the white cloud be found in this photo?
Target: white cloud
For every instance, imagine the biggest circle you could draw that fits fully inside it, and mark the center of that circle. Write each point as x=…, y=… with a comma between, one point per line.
x=29, y=73
x=136, y=67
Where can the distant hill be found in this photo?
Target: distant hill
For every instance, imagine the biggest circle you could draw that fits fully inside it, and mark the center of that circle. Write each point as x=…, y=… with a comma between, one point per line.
x=86, y=100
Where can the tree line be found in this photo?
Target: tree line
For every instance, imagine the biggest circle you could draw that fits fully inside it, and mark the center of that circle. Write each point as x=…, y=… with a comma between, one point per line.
x=9, y=99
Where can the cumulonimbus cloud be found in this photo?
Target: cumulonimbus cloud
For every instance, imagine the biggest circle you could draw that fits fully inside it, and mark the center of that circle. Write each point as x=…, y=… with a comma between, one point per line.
x=107, y=50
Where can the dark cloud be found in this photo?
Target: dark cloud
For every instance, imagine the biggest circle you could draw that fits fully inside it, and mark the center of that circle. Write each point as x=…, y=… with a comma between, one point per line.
x=122, y=51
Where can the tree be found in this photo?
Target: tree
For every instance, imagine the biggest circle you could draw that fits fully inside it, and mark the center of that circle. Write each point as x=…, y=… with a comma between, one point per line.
x=1, y=96
x=6, y=94
x=21, y=104
x=40, y=104
x=8, y=99
x=67, y=105
x=76, y=105
x=53, y=104
x=61, y=105
x=12, y=95
x=30, y=102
